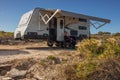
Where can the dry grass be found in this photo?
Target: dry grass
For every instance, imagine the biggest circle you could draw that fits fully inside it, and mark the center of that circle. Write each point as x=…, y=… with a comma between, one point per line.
x=6, y=35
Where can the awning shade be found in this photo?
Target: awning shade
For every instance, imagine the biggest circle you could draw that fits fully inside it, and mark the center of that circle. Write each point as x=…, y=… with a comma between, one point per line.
x=76, y=15
x=66, y=13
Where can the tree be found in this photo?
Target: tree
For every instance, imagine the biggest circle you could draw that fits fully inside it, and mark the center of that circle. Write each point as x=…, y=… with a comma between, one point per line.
x=116, y=34
x=104, y=33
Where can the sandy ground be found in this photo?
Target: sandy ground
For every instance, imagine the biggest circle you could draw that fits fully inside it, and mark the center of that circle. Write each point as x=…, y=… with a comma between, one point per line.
x=31, y=50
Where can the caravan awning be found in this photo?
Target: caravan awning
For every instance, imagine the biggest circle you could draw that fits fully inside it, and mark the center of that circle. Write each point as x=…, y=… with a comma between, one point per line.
x=72, y=14
x=66, y=13
x=76, y=15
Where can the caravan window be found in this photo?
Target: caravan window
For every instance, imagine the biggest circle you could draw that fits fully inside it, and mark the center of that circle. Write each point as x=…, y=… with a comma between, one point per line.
x=73, y=32
x=61, y=24
x=82, y=20
x=82, y=27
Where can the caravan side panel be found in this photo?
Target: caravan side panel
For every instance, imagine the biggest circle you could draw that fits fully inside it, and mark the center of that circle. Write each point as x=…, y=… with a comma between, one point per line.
x=23, y=24
x=31, y=26
x=36, y=29
x=73, y=27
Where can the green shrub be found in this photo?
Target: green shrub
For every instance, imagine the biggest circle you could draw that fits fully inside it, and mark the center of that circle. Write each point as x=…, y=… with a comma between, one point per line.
x=100, y=48
x=85, y=68
x=112, y=48
x=51, y=57
x=43, y=62
x=91, y=48
x=95, y=52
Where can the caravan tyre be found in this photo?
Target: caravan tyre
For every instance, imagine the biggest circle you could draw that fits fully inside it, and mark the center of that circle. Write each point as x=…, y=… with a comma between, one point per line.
x=50, y=44
x=57, y=44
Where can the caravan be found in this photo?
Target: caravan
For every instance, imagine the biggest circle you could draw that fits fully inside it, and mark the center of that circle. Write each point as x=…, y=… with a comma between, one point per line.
x=52, y=25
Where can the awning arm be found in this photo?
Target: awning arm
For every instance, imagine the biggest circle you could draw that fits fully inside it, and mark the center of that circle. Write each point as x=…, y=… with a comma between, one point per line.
x=48, y=18
x=97, y=27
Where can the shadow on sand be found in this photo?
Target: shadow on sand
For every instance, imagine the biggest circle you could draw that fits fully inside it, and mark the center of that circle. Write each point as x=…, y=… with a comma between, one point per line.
x=49, y=48
x=4, y=52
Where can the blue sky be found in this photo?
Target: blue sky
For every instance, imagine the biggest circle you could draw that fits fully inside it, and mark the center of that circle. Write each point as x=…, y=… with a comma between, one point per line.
x=12, y=10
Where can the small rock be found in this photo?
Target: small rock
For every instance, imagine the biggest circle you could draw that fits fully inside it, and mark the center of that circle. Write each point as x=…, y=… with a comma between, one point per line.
x=7, y=78
x=4, y=68
x=15, y=73
x=38, y=77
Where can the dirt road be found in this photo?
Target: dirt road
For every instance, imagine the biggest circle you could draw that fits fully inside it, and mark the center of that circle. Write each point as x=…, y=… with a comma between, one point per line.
x=31, y=50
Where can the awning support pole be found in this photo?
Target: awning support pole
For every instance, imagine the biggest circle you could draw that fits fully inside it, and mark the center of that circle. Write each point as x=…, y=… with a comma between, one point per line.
x=100, y=25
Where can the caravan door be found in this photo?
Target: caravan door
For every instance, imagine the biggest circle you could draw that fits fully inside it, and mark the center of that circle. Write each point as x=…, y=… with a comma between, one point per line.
x=60, y=29
x=53, y=29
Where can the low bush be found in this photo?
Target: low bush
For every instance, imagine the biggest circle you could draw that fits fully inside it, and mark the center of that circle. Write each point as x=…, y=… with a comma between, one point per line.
x=100, y=48
x=51, y=57
x=98, y=53
x=6, y=35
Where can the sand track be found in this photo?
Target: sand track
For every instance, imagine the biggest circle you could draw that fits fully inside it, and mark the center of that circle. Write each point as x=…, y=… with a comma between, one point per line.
x=32, y=50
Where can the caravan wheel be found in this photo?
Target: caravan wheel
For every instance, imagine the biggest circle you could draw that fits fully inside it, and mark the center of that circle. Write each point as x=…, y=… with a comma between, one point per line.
x=57, y=44
x=50, y=44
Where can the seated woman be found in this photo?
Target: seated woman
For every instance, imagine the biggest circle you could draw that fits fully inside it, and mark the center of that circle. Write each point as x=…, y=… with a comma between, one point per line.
x=69, y=41
x=66, y=37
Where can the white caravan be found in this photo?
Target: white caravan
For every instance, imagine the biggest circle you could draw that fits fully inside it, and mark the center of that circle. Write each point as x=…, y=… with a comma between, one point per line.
x=52, y=25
